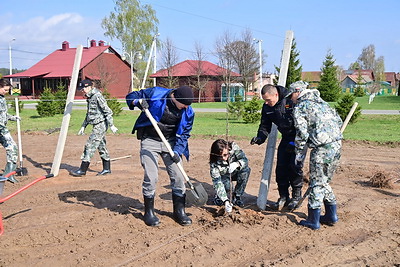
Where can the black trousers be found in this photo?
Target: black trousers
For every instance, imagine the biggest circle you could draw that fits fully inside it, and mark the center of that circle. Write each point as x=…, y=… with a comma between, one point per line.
x=287, y=175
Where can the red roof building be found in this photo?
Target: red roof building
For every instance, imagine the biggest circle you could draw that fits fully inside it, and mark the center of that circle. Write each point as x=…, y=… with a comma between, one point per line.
x=204, y=77
x=99, y=62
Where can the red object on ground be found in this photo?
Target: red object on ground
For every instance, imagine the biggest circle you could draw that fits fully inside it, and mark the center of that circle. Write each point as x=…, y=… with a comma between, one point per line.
x=17, y=192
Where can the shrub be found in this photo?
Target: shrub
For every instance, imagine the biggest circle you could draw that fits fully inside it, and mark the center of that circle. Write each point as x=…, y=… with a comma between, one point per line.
x=344, y=105
x=112, y=103
x=252, y=111
x=236, y=108
x=11, y=101
x=46, y=106
x=60, y=98
x=359, y=92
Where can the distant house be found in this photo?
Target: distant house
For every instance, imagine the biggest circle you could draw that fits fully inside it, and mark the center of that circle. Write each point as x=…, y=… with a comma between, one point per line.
x=312, y=77
x=194, y=73
x=99, y=62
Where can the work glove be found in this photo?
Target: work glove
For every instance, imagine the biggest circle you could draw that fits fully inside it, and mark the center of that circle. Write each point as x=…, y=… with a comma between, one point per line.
x=81, y=131
x=233, y=166
x=113, y=129
x=256, y=140
x=141, y=103
x=15, y=118
x=228, y=206
x=290, y=147
x=175, y=158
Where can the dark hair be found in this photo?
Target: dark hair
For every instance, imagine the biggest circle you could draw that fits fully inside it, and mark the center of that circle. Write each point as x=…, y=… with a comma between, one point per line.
x=4, y=82
x=217, y=148
x=268, y=88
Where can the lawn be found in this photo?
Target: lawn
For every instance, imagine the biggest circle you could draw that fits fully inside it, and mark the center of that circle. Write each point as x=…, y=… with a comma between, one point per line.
x=380, y=128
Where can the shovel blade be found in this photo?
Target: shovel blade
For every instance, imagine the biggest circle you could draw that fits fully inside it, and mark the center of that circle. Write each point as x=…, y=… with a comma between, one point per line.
x=22, y=171
x=196, y=196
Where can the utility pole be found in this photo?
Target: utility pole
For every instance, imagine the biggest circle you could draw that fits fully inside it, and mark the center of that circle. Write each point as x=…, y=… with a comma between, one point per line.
x=9, y=53
x=261, y=63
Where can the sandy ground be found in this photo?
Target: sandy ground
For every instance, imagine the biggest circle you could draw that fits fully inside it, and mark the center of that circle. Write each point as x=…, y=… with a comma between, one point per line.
x=97, y=221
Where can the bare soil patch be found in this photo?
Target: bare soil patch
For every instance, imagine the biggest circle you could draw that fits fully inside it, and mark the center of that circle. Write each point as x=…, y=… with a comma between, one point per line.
x=97, y=221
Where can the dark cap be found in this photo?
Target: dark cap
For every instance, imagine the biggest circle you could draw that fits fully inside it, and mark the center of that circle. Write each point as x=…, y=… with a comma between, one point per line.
x=84, y=83
x=184, y=95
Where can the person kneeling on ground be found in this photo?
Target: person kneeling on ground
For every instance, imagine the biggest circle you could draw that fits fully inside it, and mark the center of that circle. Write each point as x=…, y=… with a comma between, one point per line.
x=228, y=163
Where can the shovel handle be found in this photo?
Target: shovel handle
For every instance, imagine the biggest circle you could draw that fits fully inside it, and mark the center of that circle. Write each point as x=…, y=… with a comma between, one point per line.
x=18, y=131
x=161, y=135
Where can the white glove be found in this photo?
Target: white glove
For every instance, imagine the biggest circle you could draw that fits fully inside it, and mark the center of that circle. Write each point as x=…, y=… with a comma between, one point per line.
x=81, y=131
x=233, y=166
x=15, y=118
x=228, y=206
x=114, y=129
x=300, y=157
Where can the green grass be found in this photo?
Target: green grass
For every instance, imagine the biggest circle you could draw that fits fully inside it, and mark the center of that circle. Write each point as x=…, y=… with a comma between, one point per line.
x=379, y=128
x=379, y=103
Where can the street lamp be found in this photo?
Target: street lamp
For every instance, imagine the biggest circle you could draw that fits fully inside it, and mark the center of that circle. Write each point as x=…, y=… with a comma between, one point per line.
x=9, y=53
x=260, y=52
x=131, y=61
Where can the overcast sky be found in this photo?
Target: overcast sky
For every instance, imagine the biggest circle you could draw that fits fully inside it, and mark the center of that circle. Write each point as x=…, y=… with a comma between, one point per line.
x=346, y=27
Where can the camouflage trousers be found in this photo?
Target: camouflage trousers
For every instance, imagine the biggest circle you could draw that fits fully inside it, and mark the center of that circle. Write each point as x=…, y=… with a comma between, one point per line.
x=240, y=176
x=8, y=143
x=323, y=163
x=96, y=141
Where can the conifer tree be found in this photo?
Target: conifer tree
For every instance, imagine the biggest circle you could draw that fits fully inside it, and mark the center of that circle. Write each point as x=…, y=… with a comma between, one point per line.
x=329, y=85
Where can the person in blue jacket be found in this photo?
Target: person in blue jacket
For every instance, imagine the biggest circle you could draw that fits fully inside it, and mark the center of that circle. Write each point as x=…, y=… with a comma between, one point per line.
x=174, y=115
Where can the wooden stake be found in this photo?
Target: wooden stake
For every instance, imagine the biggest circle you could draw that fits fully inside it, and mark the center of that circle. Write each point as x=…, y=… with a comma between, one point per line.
x=271, y=144
x=55, y=168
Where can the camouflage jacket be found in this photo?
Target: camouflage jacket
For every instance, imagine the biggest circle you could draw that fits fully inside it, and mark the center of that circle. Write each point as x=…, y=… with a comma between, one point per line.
x=316, y=122
x=4, y=116
x=97, y=109
x=221, y=168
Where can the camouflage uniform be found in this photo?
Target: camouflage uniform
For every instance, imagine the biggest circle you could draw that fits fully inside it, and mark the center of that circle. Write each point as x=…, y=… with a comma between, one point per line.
x=318, y=126
x=221, y=177
x=100, y=116
x=6, y=139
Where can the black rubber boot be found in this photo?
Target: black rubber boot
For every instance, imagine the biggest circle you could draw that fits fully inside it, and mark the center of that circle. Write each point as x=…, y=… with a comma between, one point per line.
x=10, y=167
x=312, y=219
x=106, y=168
x=82, y=169
x=296, y=196
x=237, y=200
x=150, y=219
x=283, y=199
x=330, y=217
x=179, y=210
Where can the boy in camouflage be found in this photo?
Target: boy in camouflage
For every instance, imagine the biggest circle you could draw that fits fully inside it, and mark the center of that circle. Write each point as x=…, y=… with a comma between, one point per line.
x=228, y=163
x=100, y=116
x=6, y=139
x=318, y=127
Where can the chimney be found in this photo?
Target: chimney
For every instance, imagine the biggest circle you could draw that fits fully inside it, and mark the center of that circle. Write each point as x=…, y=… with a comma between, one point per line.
x=101, y=43
x=93, y=43
x=65, y=46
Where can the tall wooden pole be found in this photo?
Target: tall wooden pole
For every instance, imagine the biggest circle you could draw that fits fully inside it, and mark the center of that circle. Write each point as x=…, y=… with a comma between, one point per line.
x=55, y=168
x=271, y=144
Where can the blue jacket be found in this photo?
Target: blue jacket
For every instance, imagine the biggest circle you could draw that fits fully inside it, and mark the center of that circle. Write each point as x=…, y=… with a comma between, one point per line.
x=156, y=97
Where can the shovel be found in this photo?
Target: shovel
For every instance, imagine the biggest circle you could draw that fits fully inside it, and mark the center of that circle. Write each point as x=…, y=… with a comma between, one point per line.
x=197, y=195
x=23, y=171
